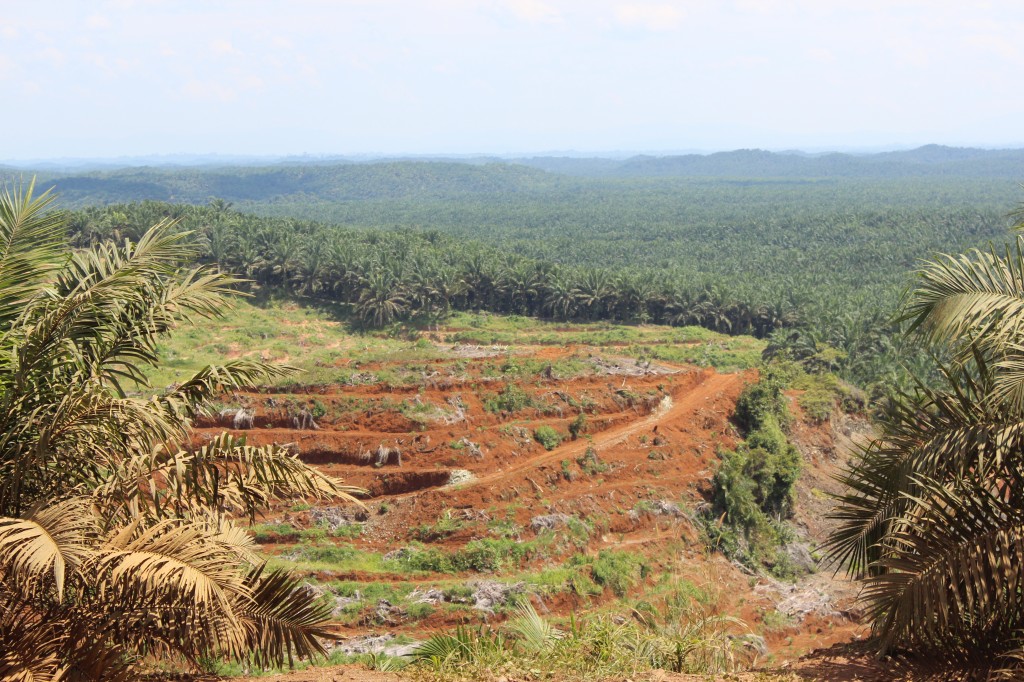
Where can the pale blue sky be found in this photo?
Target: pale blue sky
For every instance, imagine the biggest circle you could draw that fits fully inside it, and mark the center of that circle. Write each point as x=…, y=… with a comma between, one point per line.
x=124, y=77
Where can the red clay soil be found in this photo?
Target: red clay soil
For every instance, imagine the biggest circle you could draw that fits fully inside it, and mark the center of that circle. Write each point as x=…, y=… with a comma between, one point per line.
x=655, y=435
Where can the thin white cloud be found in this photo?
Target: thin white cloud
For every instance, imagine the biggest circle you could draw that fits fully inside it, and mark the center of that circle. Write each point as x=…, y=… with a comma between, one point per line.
x=534, y=11
x=652, y=17
x=821, y=54
x=6, y=66
x=1003, y=46
x=97, y=22
x=224, y=46
x=53, y=55
x=208, y=91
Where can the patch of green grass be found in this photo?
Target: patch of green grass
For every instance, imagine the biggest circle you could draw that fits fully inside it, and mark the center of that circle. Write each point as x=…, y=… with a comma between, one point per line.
x=317, y=341
x=574, y=579
x=505, y=528
x=316, y=534
x=773, y=620
x=724, y=353
x=419, y=610
x=275, y=532
x=329, y=557
x=618, y=571
x=486, y=555
x=487, y=329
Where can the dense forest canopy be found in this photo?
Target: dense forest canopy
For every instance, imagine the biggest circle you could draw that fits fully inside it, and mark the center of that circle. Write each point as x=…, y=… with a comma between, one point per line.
x=742, y=242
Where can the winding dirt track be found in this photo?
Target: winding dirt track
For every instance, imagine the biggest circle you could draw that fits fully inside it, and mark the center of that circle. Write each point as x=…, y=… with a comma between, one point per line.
x=706, y=390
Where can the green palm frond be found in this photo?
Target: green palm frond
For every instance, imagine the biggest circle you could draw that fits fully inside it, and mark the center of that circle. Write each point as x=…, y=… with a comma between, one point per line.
x=224, y=474
x=116, y=540
x=934, y=435
x=32, y=248
x=979, y=294
x=536, y=634
x=933, y=514
x=442, y=648
x=187, y=400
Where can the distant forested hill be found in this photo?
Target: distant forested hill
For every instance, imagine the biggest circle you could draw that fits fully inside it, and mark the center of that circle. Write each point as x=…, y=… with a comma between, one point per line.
x=323, y=183
x=928, y=161
x=540, y=178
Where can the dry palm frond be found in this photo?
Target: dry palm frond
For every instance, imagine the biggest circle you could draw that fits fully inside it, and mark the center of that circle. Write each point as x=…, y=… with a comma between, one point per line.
x=282, y=622
x=171, y=586
x=235, y=539
x=30, y=650
x=45, y=547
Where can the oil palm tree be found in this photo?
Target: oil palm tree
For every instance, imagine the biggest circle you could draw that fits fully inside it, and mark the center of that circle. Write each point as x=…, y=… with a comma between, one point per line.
x=382, y=300
x=933, y=520
x=116, y=541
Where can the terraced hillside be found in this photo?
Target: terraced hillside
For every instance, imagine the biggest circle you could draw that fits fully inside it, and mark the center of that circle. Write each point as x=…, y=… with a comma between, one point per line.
x=507, y=459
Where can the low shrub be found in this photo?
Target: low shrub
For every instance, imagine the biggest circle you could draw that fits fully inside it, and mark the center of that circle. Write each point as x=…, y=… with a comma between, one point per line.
x=618, y=571
x=590, y=463
x=275, y=532
x=547, y=436
x=577, y=425
x=512, y=399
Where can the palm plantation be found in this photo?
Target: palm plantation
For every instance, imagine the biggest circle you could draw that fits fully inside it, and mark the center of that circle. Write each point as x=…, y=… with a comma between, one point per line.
x=933, y=522
x=118, y=540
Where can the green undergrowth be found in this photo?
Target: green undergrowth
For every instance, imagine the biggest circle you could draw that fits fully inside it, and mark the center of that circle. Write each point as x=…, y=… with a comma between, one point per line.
x=753, y=487
x=488, y=329
x=317, y=340
x=328, y=348
x=822, y=393
x=484, y=555
x=547, y=436
x=726, y=354
x=595, y=646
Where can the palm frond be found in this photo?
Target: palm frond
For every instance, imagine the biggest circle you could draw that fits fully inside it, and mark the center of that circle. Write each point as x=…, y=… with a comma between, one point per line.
x=282, y=621
x=32, y=248
x=979, y=294
x=31, y=650
x=937, y=435
x=188, y=399
x=955, y=579
x=225, y=475
x=535, y=633
x=45, y=547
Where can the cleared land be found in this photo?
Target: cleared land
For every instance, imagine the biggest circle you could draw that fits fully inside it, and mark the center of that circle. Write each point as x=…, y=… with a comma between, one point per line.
x=506, y=458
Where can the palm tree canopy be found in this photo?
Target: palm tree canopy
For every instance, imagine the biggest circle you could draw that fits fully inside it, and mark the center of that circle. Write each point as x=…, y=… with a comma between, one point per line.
x=116, y=538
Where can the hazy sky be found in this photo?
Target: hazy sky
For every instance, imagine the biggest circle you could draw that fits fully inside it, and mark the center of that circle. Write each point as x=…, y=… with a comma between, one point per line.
x=124, y=77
